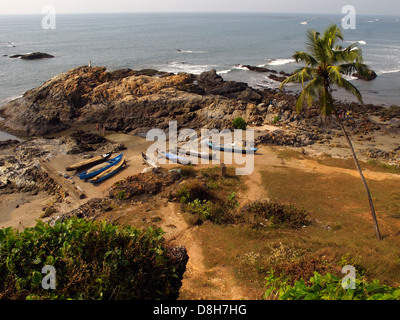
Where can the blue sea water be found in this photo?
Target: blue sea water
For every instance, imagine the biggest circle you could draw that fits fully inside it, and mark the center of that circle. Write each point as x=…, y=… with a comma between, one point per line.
x=189, y=42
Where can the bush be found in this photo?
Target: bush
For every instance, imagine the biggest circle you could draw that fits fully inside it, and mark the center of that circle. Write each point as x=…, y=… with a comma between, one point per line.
x=239, y=123
x=328, y=287
x=276, y=214
x=93, y=260
x=276, y=119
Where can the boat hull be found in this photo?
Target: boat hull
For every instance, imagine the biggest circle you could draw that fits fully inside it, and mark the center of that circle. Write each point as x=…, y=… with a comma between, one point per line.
x=149, y=161
x=87, y=175
x=90, y=162
x=108, y=173
x=227, y=148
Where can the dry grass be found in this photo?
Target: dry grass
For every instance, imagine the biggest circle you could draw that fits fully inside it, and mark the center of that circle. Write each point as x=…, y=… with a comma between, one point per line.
x=341, y=215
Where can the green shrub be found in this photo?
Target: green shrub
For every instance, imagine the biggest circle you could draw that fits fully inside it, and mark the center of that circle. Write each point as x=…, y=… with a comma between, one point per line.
x=277, y=214
x=93, y=260
x=327, y=287
x=276, y=119
x=192, y=191
x=216, y=211
x=239, y=123
x=121, y=195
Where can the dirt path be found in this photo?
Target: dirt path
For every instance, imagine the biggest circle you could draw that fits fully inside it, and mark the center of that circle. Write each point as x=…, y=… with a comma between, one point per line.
x=200, y=281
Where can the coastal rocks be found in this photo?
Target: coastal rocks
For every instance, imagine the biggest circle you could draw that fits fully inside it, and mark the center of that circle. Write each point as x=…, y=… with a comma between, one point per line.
x=125, y=100
x=259, y=69
x=286, y=138
x=8, y=143
x=32, y=56
x=82, y=141
x=370, y=75
x=213, y=84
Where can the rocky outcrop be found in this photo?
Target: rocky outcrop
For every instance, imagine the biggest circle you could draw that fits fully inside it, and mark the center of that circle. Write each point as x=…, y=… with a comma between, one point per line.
x=125, y=100
x=370, y=75
x=20, y=169
x=33, y=56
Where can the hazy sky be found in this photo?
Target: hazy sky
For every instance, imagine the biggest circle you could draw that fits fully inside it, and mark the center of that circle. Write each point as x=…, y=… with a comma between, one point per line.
x=376, y=7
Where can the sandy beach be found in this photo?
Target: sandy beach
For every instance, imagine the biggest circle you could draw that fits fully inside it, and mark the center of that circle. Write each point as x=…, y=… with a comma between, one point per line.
x=14, y=207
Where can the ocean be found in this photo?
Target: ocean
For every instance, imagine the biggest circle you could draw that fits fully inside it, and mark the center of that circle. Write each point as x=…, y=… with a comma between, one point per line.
x=189, y=42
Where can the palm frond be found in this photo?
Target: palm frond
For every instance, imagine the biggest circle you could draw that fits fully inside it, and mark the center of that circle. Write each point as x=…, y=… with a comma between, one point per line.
x=347, y=85
x=299, y=76
x=309, y=93
x=305, y=57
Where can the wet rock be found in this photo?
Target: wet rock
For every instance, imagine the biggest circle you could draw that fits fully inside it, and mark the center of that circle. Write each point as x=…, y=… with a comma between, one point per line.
x=32, y=56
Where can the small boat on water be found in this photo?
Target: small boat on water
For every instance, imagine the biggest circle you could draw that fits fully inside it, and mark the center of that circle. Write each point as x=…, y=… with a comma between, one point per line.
x=109, y=172
x=194, y=153
x=90, y=162
x=152, y=163
x=175, y=158
x=230, y=148
x=100, y=168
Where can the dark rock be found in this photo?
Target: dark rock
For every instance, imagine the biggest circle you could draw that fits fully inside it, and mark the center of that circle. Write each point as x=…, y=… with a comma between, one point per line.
x=277, y=78
x=371, y=75
x=8, y=144
x=179, y=259
x=209, y=79
x=259, y=69
x=33, y=56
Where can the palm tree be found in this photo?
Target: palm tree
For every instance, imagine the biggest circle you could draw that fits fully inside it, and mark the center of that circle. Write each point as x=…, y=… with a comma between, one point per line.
x=325, y=64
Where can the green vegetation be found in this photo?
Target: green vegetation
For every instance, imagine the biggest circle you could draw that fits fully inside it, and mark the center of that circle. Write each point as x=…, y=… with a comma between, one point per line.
x=199, y=200
x=384, y=166
x=239, y=123
x=277, y=214
x=93, y=260
x=328, y=287
x=276, y=119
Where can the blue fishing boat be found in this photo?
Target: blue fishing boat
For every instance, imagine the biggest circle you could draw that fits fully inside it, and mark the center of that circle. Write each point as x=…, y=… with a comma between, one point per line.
x=109, y=172
x=230, y=148
x=100, y=168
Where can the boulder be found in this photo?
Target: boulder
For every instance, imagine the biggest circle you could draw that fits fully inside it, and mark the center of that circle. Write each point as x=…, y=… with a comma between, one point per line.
x=32, y=56
x=370, y=75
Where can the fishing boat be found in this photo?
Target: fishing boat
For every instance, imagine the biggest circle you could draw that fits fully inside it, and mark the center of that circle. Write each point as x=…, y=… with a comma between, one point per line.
x=90, y=162
x=174, y=158
x=109, y=172
x=190, y=152
x=230, y=148
x=152, y=163
x=100, y=168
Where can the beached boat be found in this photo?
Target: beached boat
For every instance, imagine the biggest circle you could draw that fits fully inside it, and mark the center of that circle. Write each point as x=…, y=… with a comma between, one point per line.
x=174, y=158
x=152, y=163
x=194, y=153
x=230, y=148
x=100, y=168
x=109, y=172
x=90, y=162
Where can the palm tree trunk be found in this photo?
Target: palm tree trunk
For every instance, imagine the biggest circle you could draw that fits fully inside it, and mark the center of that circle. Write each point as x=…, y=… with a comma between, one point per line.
x=371, y=205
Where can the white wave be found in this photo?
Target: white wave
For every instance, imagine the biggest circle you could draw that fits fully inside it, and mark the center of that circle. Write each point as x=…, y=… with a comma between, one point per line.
x=224, y=71
x=349, y=78
x=176, y=67
x=380, y=72
x=184, y=51
x=279, y=62
x=240, y=67
x=7, y=44
x=357, y=41
x=8, y=100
